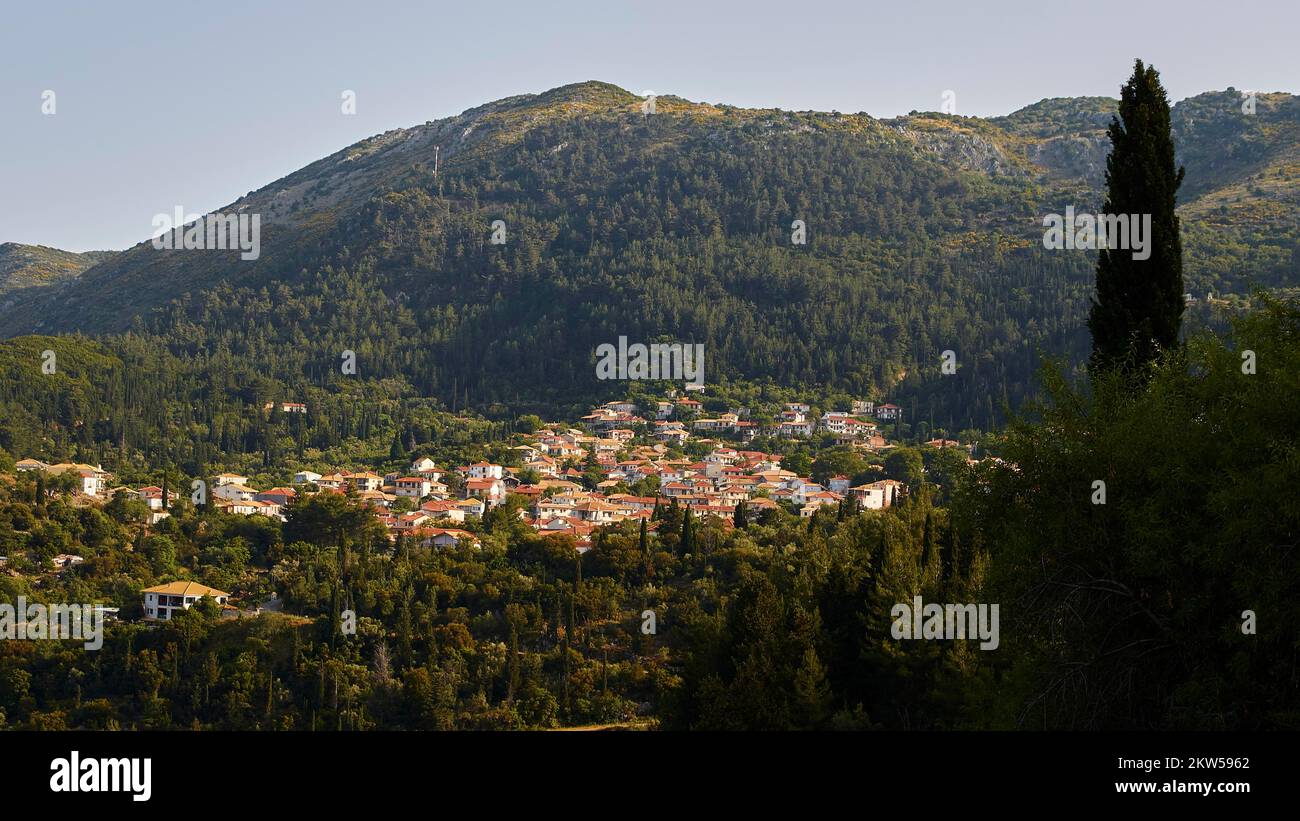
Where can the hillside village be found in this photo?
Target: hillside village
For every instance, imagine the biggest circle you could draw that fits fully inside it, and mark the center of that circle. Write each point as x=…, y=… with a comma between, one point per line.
x=616, y=466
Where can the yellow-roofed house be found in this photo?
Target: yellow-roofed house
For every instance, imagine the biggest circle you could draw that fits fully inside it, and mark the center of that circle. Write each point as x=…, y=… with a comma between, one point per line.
x=162, y=601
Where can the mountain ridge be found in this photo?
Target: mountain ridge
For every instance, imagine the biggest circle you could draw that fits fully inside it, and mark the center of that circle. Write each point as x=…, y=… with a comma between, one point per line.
x=34, y=266
x=677, y=224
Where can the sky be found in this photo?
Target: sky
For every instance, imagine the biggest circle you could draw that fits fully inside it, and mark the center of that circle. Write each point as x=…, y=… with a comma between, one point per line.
x=157, y=104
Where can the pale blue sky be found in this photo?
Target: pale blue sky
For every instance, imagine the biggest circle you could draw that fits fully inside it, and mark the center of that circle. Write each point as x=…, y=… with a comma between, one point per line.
x=195, y=104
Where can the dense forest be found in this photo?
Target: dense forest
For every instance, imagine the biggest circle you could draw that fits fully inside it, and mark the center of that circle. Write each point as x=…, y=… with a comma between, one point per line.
x=1127, y=614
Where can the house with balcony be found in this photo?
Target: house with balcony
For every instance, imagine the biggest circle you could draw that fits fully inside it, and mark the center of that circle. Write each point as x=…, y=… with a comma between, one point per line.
x=364, y=481
x=485, y=470
x=162, y=602
x=413, y=487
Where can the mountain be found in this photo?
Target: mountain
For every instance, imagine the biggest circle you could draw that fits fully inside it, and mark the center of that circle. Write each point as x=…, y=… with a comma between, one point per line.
x=923, y=235
x=32, y=266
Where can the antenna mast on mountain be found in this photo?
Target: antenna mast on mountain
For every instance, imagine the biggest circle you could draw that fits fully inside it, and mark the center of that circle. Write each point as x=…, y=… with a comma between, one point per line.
x=437, y=153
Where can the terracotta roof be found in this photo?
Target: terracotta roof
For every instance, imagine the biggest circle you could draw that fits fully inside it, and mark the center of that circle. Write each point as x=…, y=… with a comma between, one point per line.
x=185, y=589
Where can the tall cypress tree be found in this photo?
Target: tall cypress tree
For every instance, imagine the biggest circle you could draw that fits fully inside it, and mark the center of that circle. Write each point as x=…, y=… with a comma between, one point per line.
x=1139, y=304
x=686, y=543
x=397, y=450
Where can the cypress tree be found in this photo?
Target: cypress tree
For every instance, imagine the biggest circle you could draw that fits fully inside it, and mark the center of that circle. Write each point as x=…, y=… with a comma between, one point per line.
x=927, y=542
x=645, y=550
x=512, y=665
x=1139, y=305
x=398, y=449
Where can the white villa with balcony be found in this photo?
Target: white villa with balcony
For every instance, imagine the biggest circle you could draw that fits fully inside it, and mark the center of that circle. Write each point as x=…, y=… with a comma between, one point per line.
x=161, y=602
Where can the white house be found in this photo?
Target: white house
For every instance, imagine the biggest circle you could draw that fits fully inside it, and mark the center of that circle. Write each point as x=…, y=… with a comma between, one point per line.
x=888, y=412
x=471, y=507
x=486, y=470
x=163, y=601
x=442, y=509
x=447, y=537
x=65, y=560
x=425, y=467
x=835, y=421
x=365, y=480
x=153, y=497
x=92, y=481
x=92, y=478
x=234, y=492
x=876, y=495
x=491, y=491
x=413, y=487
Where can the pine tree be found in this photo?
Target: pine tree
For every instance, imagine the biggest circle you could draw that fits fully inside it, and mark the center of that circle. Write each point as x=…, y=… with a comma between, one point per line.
x=812, y=692
x=1139, y=305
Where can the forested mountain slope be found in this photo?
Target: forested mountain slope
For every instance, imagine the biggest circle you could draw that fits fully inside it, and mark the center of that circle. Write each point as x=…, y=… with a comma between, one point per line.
x=923, y=235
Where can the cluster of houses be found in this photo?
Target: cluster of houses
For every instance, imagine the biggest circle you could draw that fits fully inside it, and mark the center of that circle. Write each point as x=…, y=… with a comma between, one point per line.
x=559, y=497
x=558, y=502
x=795, y=421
